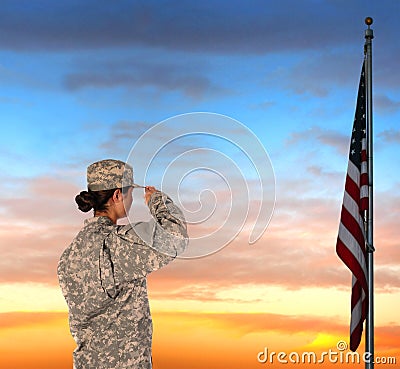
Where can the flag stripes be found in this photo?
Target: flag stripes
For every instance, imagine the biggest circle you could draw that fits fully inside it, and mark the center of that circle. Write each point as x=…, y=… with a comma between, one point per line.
x=350, y=245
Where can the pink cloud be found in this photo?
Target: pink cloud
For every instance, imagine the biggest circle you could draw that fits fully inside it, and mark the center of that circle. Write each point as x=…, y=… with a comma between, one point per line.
x=297, y=250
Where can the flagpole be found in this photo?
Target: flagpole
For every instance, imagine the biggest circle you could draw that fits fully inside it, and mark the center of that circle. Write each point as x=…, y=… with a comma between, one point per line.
x=369, y=325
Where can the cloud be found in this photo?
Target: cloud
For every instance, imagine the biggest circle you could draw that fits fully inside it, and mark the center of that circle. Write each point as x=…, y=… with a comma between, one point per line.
x=45, y=201
x=243, y=335
x=325, y=175
x=385, y=104
x=23, y=319
x=35, y=252
x=219, y=27
x=324, y=136
x=123, y=134
x=386, y=81
x=300, y=237
x=232, y=340
x=289, y=257
x=40, y=221
x=32, y=254
x=189, y=79
x=182, y=34
x=244, y=324
x=317, y=74
x=37, y=224
x=261, y=322
x=390, y=135
x=386, y=233
x=387, y=278
x=297, y=251
x=265, y=105
x=238, y=322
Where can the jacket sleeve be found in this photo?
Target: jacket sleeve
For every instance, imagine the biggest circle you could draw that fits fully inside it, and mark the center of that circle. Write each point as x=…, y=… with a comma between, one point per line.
x=169, y=234
x=144, y=247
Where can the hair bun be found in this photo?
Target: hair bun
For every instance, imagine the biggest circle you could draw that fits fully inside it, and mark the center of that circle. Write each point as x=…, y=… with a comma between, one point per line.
x=85, y=201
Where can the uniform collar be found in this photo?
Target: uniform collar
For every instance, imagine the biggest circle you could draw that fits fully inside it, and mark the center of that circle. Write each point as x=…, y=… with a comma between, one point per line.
x=99, y=220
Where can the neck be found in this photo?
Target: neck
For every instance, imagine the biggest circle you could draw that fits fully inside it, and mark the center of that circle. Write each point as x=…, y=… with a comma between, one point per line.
x=113, y=217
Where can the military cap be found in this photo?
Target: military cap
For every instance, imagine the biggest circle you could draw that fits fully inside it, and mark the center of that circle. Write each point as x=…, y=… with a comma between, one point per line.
x=108, y=174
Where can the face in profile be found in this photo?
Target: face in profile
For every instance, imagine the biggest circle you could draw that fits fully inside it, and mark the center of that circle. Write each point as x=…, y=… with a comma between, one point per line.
x=127, y=199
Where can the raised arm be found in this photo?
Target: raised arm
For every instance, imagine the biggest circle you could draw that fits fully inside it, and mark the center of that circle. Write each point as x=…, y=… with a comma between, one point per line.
x=170, y=232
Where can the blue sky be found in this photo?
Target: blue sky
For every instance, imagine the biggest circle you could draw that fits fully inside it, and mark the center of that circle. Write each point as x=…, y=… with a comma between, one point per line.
x=71, y=72
x=82, y=81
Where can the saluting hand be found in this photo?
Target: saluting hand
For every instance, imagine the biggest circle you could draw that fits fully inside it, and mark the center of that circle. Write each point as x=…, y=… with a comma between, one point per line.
x=149, y=190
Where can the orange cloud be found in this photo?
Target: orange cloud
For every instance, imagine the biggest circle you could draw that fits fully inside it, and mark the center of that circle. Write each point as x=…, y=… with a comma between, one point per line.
x=17, y=319
x=184, y=339
x=35, y=341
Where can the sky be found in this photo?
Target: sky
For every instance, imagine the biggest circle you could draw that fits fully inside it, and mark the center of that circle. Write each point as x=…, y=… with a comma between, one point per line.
x=242, y=112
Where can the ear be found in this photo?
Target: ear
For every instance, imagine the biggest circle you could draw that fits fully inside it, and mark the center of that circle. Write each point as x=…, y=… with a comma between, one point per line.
x=117, y=196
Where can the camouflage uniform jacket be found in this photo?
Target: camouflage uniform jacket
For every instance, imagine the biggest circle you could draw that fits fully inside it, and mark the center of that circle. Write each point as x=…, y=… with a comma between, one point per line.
x=102, y=275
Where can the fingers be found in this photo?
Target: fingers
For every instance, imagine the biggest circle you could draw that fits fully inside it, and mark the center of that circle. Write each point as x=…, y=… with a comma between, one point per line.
x=149, y=190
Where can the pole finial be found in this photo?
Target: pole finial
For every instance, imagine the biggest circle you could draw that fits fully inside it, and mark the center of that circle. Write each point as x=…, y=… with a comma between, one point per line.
x=369, y=21
x=369, y=33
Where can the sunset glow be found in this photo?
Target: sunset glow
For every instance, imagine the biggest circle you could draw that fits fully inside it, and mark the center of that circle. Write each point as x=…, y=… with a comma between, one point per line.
x=84, y=81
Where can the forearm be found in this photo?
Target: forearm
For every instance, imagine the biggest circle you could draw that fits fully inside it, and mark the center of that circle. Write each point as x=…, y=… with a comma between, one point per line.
x=170, y=234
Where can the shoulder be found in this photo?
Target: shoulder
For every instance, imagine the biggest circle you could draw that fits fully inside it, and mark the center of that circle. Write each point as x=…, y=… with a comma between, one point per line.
x=139, y=232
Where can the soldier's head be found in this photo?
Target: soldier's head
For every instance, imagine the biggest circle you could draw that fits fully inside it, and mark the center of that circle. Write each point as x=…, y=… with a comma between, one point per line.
x=110, y=185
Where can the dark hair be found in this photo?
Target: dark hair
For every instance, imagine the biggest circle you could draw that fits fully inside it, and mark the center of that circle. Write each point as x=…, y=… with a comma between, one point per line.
x=96, y=200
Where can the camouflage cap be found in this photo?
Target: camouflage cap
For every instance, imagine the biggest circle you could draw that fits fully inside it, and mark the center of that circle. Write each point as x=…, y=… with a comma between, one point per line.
x=108, y=174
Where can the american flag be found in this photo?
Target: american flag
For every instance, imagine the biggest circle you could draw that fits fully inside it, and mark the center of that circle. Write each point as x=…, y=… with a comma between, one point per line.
x=351, y=242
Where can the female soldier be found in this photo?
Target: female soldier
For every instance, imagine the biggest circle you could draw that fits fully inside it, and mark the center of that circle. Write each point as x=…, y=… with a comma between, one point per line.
x=102, y=273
